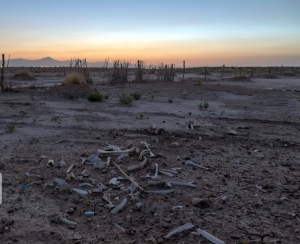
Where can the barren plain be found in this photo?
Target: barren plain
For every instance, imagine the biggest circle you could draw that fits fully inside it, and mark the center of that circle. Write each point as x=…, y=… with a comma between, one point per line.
x=247, y=142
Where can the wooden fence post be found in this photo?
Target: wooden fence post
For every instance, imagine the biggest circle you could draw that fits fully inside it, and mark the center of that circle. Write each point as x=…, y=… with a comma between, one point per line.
x=205, y=72
x=183, y=72
x=222, y=72
x=2, y=73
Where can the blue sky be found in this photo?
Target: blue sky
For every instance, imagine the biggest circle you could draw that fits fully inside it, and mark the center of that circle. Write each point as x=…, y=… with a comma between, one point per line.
x=212, y=32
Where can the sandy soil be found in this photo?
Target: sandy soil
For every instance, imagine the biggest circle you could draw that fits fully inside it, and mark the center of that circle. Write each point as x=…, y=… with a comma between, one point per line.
x=247, y=139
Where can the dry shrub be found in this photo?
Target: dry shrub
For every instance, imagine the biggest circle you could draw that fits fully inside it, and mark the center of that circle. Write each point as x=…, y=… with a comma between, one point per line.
x=126, y=99
x=74, y=78
x=24, y=74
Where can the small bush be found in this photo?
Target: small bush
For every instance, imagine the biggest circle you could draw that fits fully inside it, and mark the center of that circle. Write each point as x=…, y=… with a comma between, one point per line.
x=24, y=72
x=170, y=100
x=94, y=97
x=74, y=78
x=55, y=118
x=198, y=83
x=106, y=96
x=10, y=128
x=200, y=106
x=126, y=99
x=71, y=96
x=205, y=104
x=136, y=95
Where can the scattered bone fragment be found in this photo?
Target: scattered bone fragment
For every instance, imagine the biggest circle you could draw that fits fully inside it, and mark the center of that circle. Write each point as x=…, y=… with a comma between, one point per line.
x=79, y=191
x=85, y=185
x=210, y=237
x=232, y=132
x=62, y=185
x=166, y=173
x=61, y=164
x=69, y=169
x=143, y=153
x=70, y=176
x=114, y=181
x=190, y=125
x=177, y=208
x=180, y=229
x=130, y=151
x=156, y=171
x=138, y=166
x=162, y=192
x=199, y=202
x=194, y=164
x=146, y=145
x=260, y=188
x=179, y=183
x=120, y=206
x=118, y=226
x=155, y=183
x=93, y=159
x=129, y=178
x=119, y=158
x=50, y=163
x=63, y=218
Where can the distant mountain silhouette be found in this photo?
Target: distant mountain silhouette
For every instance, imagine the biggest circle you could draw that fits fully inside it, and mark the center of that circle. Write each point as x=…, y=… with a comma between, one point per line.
x=48, y=61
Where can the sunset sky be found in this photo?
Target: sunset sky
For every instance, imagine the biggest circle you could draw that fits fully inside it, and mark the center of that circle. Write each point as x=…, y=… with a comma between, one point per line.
x=212, y=33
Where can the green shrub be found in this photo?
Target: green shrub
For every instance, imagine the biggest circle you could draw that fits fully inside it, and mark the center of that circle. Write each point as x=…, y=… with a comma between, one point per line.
x=205, y=104
x=71, y=96
x=55, y=118
x=94, y=96
x=136, y=95
x=126, y=99
x=10, y=128
x=170, y=100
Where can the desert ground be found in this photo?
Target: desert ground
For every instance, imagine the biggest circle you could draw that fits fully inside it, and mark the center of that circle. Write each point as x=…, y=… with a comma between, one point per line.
x=246, y=141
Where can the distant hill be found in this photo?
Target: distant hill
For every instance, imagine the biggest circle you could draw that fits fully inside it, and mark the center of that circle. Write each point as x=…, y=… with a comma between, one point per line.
x=48, y=61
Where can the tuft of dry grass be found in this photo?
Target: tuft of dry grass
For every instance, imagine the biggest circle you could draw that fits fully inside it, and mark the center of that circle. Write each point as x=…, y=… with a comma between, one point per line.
x=24, y=72
x=74, y=78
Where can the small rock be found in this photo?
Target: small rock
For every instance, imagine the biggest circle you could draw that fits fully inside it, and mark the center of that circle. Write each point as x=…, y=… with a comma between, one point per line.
x=77, y=236
x=160, y=240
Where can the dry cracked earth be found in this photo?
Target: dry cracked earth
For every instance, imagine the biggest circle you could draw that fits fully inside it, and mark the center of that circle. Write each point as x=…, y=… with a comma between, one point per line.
x=247, y=142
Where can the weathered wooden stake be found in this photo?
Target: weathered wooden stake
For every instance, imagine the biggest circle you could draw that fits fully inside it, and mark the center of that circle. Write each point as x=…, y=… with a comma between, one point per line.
x=241, y=71
x=222, y=72
x=205, y=73
x=2, y=72
x=235, y=71
x=183, y=72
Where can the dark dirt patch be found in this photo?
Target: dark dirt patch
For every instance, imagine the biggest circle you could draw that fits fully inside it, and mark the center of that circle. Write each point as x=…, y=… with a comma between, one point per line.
x=65, y=90
x=23, y=77
x=239, y=78
x=204, y=73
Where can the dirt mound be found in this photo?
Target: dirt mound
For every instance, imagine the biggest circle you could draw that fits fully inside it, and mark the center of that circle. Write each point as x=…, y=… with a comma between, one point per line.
x=288, y=74
x=67, y=90
x=270, y=76
x=204, y=73
x=226, y=71
x=239, y=78
x=23, y=77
